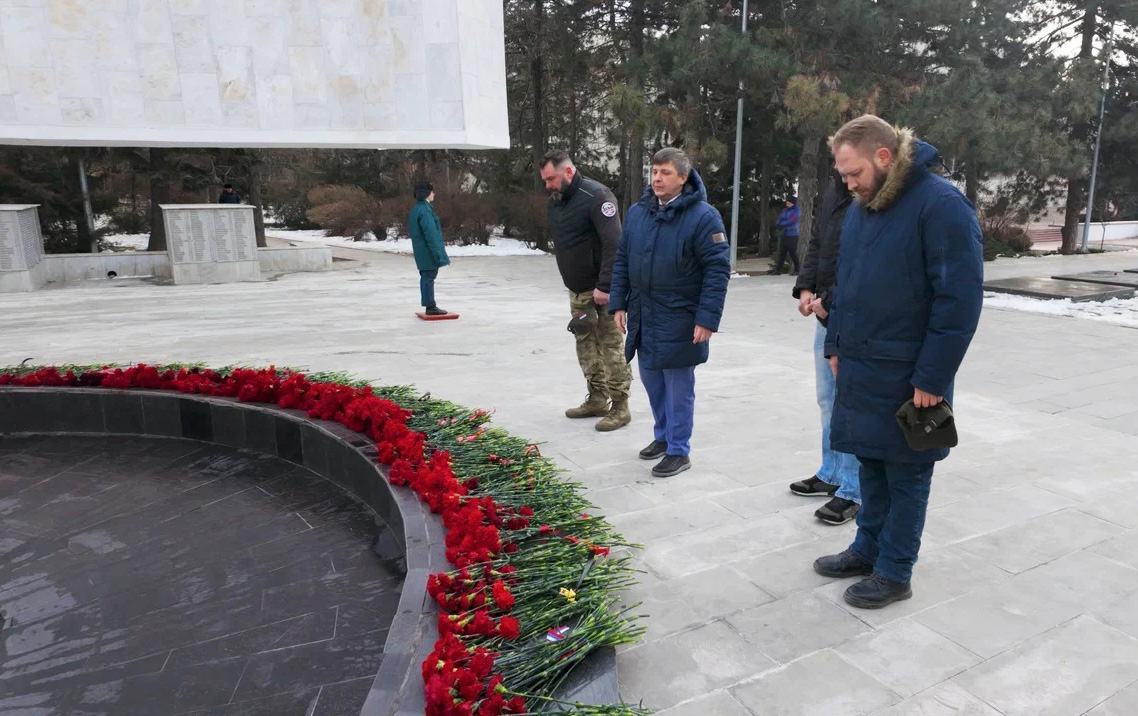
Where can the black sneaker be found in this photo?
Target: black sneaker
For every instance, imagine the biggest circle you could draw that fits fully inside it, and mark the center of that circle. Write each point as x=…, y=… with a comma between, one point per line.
x=435, y=311
x=837, y=511
x=813, y=487
x=671, y=465
x=842, y=565
x=655, y=449
x=877, y=592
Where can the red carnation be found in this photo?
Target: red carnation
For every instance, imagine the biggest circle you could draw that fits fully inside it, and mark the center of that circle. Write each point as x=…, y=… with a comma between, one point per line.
x=502, y=596
x=509, y=628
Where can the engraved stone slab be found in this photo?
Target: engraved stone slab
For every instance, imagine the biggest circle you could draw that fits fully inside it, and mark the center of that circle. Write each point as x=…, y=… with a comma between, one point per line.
x=211, y=243
x=1110, y=278
x=21, y=248
x=1077, y=291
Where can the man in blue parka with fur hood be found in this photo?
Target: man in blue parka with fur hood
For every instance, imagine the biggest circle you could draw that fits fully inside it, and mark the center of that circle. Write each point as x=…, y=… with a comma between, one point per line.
x=906, y=305
x=669, y=282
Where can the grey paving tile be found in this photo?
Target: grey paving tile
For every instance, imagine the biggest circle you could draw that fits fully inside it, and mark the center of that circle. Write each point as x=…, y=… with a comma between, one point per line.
x=1021, y=547
x=719, y=703
x=795, y=689
x=1065, y=671
x=946, y=699
x=907, y=657
x=698, y=598
x=797, y=625
x=689, y=664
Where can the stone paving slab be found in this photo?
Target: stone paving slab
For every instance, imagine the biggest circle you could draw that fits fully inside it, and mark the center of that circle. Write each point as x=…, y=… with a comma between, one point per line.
x=1072, y=289
x=1127, y=278
x=1034, y=521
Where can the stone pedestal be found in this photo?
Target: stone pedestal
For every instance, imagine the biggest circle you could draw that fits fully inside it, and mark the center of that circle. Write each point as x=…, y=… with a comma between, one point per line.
x=21, y=248
x=211, y=243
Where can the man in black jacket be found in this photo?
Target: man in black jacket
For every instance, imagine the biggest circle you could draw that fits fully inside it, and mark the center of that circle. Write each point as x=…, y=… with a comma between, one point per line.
x=585, y=225
x=838, y=476
x=228, y=196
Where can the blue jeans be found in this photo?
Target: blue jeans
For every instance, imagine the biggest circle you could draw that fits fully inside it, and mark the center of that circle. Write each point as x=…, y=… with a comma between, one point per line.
x=427, y=287
x=838, y=468
x=892, y=516
x=671, y=393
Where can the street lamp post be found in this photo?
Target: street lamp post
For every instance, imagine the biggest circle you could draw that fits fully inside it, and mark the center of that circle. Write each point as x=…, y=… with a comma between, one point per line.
x=1098, y=140
x=738, y=163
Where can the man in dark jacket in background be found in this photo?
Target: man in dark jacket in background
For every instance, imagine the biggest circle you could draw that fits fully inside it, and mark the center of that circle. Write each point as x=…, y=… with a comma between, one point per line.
x=838, y=475
x=908, y=299
x=586, y=229
x=669, y=284
x=427, y=242
x=228, y=196
x=787, y=225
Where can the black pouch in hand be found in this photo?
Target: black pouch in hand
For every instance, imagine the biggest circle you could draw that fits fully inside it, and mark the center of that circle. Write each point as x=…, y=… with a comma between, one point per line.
x=928, y=428
x=584, y=321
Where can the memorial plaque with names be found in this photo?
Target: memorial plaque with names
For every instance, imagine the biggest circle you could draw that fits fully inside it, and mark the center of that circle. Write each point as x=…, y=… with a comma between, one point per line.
x=209, y=243
x=223, y=238
x=10, y=256
x=246, y=236
x=187, y=237
x=30, y=229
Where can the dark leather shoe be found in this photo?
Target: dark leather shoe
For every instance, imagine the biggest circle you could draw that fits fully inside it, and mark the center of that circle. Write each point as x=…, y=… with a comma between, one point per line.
x=671, y=465
x=435, y=311
x=655, y=449
x=877, y=592
x=845, y=564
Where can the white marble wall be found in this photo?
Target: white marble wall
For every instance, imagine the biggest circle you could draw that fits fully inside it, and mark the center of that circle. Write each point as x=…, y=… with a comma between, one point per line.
x=253, y=73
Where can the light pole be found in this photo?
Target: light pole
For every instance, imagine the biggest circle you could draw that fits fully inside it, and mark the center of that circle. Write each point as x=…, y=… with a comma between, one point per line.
x=738, y=163
x=1098, y=140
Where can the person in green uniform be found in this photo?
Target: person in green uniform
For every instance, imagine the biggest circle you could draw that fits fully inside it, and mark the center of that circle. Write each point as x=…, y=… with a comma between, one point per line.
x=427, y=241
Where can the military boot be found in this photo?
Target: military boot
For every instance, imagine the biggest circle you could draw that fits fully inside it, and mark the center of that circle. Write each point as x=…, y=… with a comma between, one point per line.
x=595, y=406
x=617, y=417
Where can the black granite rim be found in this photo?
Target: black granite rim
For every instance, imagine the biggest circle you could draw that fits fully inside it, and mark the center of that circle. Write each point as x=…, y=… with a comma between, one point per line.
x=410, y=537
x=409, y=534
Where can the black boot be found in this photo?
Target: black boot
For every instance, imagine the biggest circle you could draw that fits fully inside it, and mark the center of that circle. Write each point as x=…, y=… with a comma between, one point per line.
x=656, y=449
x=845, y=564
x=435, y=311
x=671, y=465
x=877, y=592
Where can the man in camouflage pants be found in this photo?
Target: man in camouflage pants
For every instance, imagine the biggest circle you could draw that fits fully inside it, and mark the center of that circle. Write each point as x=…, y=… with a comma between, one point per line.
x=585, y=225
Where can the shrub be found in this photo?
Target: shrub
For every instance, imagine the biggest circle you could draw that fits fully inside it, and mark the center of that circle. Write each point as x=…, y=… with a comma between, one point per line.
x=524, y=217
x=1003, y=237
x=347, y=211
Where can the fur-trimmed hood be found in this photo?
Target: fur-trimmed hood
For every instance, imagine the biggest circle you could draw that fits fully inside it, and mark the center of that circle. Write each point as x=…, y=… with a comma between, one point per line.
x=914, y=158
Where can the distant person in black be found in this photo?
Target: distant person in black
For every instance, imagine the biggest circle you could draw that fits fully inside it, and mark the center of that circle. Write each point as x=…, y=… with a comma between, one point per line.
x=228, y=196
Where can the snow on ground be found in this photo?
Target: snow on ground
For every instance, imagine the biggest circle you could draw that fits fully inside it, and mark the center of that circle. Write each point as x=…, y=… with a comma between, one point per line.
x=1122, y=312
x=499, y=246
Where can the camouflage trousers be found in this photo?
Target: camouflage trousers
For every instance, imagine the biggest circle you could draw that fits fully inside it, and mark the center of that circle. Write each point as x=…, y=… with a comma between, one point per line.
x=601, y=352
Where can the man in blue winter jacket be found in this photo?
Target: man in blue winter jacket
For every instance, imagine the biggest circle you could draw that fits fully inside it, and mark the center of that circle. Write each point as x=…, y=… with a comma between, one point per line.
x=907, y=302
x=787, y=225
x=669, y=282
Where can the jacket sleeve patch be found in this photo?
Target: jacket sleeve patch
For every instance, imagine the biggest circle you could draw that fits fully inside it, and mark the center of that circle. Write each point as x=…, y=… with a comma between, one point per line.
x=718, y=237
x=608, y=209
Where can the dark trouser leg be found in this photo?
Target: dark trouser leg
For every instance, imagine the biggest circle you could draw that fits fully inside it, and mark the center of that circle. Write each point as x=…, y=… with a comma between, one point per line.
x=427, y=287
x=874, y=509
x=900, y=538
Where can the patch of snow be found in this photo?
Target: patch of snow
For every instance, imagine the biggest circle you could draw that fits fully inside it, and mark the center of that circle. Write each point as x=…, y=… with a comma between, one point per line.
x=130, y=242
x=1118, y=311
x=499, y=246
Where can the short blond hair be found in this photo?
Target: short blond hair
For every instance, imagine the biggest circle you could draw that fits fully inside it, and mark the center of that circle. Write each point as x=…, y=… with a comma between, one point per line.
x=867, y=133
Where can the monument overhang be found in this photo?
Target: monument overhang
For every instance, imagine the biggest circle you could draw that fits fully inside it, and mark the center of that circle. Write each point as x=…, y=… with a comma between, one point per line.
x=261, y=73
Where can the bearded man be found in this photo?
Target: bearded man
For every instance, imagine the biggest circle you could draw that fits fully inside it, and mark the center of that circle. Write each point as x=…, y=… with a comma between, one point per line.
x=905, y=308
